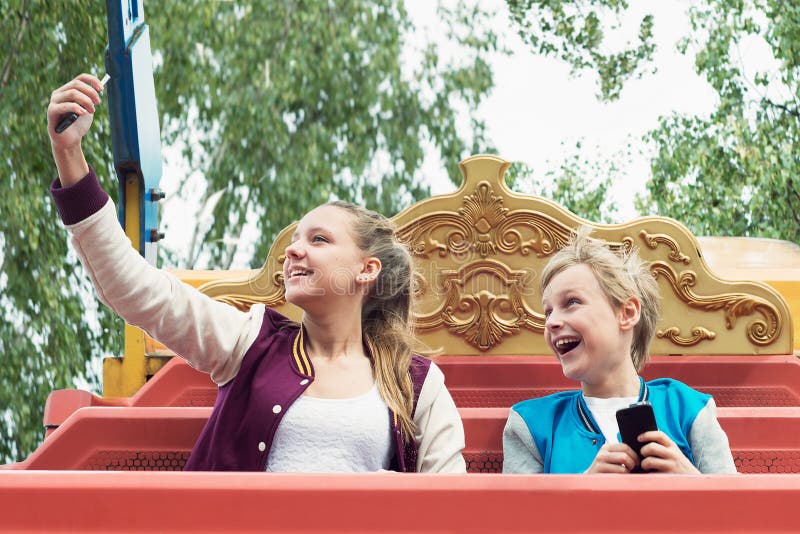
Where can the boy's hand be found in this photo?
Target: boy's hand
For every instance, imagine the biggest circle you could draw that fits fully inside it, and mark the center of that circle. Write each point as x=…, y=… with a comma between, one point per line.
x=614, y=458
x=663, y=456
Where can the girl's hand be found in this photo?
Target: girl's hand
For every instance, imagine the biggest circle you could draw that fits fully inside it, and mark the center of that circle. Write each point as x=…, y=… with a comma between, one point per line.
x=77, y=96
x=663, y=456
x=614, y=458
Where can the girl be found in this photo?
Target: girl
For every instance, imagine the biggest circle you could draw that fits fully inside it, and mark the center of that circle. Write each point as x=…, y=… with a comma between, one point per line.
x=340, y=392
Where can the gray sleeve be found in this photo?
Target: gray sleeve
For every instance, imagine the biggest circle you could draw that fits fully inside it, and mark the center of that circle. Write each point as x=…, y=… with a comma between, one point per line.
x=520, y=454
x=709, y=443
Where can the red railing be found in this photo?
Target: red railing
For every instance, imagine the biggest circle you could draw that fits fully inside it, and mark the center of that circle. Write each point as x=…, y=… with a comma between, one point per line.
x=763, y=439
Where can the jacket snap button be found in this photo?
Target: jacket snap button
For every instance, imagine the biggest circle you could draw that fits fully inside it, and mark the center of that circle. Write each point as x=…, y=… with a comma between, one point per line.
x=304, y=381
x=594, y=442
x=262, y=446
x=276, y=408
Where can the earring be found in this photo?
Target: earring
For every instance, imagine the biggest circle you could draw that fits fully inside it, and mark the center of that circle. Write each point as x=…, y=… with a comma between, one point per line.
x=362, y=277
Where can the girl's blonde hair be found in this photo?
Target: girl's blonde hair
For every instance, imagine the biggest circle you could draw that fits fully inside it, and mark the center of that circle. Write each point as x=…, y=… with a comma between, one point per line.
x=386, y=315
x=620, y=276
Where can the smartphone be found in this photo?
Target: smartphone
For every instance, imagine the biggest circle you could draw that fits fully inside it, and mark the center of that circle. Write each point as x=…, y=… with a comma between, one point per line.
x=67, y=119
x=633, y=421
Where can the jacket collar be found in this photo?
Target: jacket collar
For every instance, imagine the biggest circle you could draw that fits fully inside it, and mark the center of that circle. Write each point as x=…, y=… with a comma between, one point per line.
x=585, y=414
x=300, y=355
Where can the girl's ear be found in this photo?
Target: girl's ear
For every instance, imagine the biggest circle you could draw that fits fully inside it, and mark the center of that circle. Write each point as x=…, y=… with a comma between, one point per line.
x=370, y=270
x=629, y=313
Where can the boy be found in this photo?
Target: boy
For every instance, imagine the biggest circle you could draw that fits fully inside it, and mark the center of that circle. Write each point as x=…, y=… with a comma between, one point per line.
x=601, y=311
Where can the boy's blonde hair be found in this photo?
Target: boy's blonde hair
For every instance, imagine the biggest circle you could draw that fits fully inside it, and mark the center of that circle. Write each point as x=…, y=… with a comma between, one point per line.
x=620, y=276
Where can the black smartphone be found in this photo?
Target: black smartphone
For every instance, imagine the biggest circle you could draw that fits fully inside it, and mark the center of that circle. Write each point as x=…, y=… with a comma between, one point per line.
x=634, y=420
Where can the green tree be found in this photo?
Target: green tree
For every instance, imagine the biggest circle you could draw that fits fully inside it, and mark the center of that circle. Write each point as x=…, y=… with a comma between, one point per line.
x=579, y=185
x=575, y=31
x=736, y=171
x=47, y=336
x=296, y=101
x=281, y=105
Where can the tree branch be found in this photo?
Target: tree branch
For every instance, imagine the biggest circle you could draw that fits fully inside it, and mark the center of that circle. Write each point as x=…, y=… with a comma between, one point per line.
x=791, y=111
x=231, y=250
x=793, y=191
x=5, y=73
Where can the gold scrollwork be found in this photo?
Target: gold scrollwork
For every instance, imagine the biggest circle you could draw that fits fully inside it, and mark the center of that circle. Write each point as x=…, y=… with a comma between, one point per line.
x=624, y=246
x=485, y=227
x=483, y=211
x=243, y=295
x=240, y=302
x=470, y=230
x=699, y=334
x=482, y=225
x=245, y=302
x=479, y=316
x=759, y=332
x=549, y=235
x=418, y=236
x=653, y=240
x=419, y=284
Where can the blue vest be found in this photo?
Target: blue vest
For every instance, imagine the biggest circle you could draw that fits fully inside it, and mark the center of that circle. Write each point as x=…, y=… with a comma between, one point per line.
x=568, y=437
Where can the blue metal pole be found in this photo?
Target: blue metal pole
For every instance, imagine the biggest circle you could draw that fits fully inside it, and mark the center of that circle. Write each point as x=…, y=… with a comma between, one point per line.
x=135, y=132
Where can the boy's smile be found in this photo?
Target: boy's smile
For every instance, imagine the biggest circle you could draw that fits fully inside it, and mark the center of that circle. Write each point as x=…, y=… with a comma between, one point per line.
x=564, y=345
x=584, y=330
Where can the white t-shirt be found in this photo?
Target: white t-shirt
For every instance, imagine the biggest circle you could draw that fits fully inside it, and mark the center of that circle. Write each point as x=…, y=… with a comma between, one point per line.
x=604, y=412
x=333, y=436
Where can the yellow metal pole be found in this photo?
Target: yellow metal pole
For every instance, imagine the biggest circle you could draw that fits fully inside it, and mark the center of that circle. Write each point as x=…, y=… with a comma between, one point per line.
x=122, y=377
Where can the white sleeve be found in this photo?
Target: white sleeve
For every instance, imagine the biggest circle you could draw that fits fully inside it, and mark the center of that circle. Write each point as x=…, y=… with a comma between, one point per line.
x=520, y=453
x=439, y=431
x=709, y=443
x=213, y=337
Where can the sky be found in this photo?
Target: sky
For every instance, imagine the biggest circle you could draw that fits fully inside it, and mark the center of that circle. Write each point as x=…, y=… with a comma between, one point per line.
x=537, y=112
